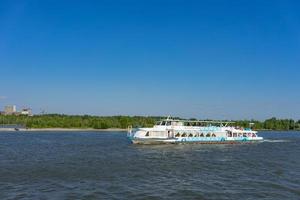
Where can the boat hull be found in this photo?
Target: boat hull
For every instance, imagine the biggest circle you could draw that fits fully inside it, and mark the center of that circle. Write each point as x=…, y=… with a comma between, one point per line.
x=214, y=140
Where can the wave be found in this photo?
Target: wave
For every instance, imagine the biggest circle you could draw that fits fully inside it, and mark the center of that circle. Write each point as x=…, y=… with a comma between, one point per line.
x=275, y=141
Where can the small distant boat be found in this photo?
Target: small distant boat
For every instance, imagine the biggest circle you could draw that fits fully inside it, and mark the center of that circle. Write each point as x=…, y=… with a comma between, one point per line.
x=192, y=131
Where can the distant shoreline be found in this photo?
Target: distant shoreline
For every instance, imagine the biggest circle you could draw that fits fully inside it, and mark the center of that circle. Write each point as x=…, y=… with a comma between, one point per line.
x=267, y=130
x=60, y=122
x=95, y=130
x=62, y=129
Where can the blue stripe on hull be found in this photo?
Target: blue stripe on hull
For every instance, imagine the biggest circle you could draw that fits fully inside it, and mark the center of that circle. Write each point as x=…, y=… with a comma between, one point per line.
x=204, y=140
x=211, y=139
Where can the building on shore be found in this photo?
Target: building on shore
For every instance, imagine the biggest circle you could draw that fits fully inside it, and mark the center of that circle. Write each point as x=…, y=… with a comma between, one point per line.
x=26, y=111
x=10, y=110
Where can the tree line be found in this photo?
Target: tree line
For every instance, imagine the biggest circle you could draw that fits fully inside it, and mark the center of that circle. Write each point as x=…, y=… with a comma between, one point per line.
x=122, y=122
x=77, y=121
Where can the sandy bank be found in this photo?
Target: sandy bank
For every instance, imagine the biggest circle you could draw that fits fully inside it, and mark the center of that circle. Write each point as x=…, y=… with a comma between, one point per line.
x=64, y=129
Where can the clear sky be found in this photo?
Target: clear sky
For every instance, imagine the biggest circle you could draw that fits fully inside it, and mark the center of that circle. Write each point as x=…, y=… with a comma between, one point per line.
x=216, y=59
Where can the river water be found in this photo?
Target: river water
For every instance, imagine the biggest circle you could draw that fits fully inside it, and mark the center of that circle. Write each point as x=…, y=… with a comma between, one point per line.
x=104, y=165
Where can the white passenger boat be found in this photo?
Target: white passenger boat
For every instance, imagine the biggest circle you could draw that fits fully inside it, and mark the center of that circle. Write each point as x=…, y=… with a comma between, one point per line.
x=184, y=131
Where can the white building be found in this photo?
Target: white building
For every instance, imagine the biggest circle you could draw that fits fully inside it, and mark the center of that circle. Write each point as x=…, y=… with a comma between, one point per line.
x=26, y=111
x=9, y=110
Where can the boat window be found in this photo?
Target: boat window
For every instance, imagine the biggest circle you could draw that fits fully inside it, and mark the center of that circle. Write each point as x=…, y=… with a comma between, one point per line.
x=147, y=134
x=196, y=135
x=183, y=135
x=208, y=135
x=158, y=123
x=202, y=135
x=213, y=135
x=163, y=123
x=168, y=123
x=190, y=135
x=245, y=135
x=177, y=135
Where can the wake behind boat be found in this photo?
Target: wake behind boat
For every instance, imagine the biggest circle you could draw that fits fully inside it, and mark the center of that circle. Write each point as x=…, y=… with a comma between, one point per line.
x=181, y=131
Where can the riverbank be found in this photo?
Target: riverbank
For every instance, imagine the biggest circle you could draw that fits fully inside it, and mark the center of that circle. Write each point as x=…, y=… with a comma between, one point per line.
x=62, y=129
x=99, y=130
x=269, y=130
x=81, y=122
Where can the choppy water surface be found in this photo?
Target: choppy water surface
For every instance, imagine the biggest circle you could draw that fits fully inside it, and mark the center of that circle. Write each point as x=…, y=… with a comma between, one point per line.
x=99, y=165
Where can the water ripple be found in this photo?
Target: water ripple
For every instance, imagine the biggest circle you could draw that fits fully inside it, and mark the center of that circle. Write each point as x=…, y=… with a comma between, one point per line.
x=107, y=166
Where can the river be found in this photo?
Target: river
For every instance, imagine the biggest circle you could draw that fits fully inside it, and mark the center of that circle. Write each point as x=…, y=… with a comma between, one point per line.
x=105, y=165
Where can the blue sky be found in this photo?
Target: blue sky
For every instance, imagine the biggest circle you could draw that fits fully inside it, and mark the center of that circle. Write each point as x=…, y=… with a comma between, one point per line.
x=206, y=59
